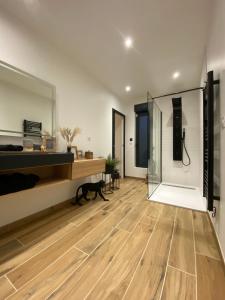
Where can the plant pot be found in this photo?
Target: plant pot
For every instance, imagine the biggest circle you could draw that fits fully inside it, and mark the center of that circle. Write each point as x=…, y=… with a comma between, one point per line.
x=109, y=169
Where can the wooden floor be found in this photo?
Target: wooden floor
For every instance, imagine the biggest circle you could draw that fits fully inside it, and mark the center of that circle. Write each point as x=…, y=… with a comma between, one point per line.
x=128, y=248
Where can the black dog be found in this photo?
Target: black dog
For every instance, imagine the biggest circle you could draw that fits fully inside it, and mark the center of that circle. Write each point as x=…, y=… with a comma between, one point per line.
x=90, y=187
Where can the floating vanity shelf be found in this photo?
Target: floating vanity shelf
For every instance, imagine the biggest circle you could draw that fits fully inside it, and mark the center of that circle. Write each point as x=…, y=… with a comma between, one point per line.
x=52, y=168
x=87, y=167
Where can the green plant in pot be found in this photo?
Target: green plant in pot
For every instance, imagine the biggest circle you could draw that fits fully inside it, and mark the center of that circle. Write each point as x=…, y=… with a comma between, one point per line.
x=110, y=165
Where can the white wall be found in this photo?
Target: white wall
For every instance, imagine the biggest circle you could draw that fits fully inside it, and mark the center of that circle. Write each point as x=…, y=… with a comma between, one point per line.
x=131, y=169
x=216, y=62
x=172, y=171
x=80, y=99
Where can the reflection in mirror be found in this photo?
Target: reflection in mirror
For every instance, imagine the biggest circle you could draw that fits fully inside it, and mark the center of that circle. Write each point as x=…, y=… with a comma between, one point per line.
x=25, y=97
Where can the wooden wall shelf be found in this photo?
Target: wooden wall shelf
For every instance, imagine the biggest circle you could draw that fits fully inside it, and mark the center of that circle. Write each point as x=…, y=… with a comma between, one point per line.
x=57, y=174
x=87, y=167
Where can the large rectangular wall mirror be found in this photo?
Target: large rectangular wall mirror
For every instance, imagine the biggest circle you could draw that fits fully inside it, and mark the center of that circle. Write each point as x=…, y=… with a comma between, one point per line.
x=24, y=97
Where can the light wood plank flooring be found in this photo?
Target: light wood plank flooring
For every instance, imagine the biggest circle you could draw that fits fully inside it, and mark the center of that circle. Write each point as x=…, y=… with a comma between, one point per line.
x=127, y=248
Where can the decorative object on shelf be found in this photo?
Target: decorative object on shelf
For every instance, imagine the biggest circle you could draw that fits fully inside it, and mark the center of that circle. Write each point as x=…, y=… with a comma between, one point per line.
x=74, y=151
x=115, y=180
x=43, y=143
x=110, y=164
x=48, y=142
x=37, y=147
x=88, y=155
x=79, y=154
x=68, y=135
x=90, y=187
x=28, y=145
x=43, y=148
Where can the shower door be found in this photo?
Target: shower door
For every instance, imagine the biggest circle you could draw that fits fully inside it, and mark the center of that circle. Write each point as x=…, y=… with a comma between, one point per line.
x=155, y=147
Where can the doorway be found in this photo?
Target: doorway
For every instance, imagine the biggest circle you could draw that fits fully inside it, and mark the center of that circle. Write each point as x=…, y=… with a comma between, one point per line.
x=118, y=140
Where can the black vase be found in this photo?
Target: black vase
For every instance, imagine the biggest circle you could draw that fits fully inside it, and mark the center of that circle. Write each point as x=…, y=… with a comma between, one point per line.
x=68, y=149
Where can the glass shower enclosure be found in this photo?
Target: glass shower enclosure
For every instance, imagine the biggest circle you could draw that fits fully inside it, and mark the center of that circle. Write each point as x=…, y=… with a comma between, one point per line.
x=155, y=147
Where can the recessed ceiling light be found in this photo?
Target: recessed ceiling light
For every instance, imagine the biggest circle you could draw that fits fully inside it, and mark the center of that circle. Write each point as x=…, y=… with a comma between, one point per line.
x=176, y=74
x=128, y=42
x=127, y=88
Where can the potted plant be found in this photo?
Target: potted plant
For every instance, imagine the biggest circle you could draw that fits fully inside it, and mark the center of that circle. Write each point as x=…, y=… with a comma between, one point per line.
x=68, y=135
x=110, y=165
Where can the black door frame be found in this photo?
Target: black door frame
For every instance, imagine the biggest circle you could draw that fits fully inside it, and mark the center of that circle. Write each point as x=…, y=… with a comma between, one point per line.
x=114, y=112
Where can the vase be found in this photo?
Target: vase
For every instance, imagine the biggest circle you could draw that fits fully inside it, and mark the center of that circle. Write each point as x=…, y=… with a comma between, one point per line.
x=68, y=148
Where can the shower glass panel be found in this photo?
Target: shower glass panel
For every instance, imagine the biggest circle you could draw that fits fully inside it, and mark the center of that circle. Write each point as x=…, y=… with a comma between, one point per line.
x=155, y=147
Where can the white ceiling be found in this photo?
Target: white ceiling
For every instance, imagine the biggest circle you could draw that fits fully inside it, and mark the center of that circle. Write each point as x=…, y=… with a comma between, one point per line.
x=168, y=35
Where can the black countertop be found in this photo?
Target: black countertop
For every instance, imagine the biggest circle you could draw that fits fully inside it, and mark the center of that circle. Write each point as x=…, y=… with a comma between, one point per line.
x=16, y=160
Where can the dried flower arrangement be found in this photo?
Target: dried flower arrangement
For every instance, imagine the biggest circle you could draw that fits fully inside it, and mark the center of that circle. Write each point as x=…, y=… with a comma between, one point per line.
x=68, y=135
